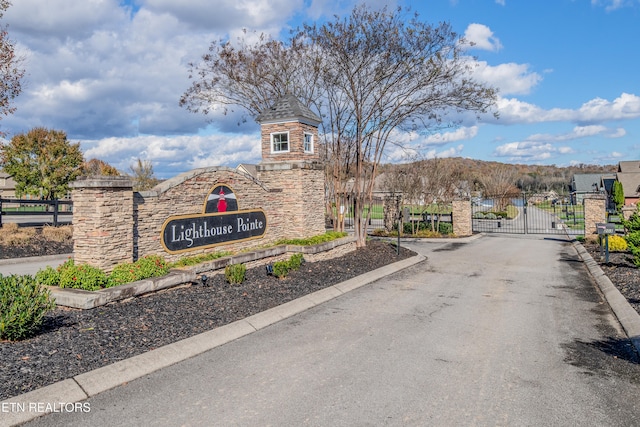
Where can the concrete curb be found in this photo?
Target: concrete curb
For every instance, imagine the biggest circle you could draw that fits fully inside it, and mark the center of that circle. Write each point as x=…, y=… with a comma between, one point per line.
x=627, y=315
x=18, y=409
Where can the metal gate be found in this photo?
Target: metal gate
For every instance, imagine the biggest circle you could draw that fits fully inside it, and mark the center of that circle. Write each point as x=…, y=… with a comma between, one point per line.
x=522, y=214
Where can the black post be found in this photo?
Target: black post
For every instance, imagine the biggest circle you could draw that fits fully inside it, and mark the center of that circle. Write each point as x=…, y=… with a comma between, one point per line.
x=399, y=223
x=55, y=213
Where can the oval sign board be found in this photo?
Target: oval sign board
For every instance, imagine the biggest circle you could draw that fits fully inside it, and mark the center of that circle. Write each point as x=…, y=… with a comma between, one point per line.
x=189, y=232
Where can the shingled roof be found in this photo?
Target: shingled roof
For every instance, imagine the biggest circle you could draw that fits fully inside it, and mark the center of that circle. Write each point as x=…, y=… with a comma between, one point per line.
x=286, y=109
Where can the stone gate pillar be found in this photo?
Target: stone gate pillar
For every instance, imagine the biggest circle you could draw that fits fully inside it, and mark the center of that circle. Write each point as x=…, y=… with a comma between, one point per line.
x=102, y=221
x=595, y=210
x=461, y=217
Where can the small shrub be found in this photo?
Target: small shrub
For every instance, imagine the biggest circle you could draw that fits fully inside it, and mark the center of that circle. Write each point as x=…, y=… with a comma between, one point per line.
x=49, y=276
x=23, y=304
x=322, y=238
x=197, y=259
x=633, y=238
x=81, y=276
x=144, y=268
x=235, y=273
x=445, y=228
x=512, y=212
x=491, y=215
x=617, y=244
x=280, y=269
x=121, y=274
x=478, y=215
x=296, y=261
x=407, y=228
x=151, y=266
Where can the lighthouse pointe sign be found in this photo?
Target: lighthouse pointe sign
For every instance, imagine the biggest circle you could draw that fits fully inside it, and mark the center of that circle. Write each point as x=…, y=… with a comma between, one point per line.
x=221, y=222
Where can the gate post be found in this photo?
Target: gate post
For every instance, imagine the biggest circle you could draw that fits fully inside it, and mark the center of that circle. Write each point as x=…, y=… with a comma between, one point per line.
x=102, y=221
x=595, y=210
x=461, y=217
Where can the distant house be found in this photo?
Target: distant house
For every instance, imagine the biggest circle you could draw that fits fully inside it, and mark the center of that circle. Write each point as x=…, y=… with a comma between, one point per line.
x=7, y=186
x=629, y=176
x=586, y=183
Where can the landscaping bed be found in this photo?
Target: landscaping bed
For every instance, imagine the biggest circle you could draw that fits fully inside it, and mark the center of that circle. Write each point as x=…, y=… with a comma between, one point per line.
x=621, y=271
x=74, y=341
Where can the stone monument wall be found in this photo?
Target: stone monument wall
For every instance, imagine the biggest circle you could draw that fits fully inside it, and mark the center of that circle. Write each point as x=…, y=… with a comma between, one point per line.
x=114, y=224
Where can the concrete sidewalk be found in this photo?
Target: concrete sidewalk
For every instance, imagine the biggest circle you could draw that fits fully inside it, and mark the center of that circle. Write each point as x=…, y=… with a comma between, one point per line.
x=31, y=265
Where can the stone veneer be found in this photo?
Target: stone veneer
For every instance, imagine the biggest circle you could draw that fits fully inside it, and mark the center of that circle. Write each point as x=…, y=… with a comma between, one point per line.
x=594, y=212
x=461, y=217
x=113, y=224
x=102, y=221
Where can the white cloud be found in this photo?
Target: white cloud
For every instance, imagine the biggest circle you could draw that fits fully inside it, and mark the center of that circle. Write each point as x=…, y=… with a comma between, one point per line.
x=598, y=110
x=501, y=2
x=450, y=152
x=528, y=151
x=580, y=132
x=482, y=37
x=626, y=106
x=63, y=18
x=509, y=78
x=460, y=134
x=172, y=155
x=228, y=14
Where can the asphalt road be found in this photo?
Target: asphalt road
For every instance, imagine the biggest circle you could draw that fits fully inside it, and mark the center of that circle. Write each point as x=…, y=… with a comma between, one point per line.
x=499, y=331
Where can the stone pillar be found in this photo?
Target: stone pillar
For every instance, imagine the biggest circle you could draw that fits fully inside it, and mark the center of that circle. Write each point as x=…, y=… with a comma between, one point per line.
x=102, y=221
x=461, y=216
x=595, y=210
x=297, y=193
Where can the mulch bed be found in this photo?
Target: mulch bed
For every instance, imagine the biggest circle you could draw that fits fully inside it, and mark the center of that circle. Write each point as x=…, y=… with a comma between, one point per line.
x=75, y=341
x=621, y=271
x=36, y=248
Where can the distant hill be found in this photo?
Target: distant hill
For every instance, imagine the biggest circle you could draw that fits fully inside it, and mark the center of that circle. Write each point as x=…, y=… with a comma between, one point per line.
x=531, y=178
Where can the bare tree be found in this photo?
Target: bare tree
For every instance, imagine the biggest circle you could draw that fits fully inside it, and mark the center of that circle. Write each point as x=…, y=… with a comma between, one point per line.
x=500, y=184
x=440, y=185
x=405, y=180
x=368, y=75
x=11, y=72
x=252, y=76
x=143, y=175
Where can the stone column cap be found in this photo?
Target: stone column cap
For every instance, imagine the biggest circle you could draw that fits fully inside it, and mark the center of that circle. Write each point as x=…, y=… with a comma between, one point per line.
x=102, y=182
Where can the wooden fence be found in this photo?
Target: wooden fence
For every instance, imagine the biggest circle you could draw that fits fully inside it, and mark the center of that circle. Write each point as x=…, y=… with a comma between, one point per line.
x=36, y=213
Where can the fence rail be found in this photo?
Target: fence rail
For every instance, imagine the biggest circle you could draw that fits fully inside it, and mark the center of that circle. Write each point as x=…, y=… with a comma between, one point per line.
x=35, y=213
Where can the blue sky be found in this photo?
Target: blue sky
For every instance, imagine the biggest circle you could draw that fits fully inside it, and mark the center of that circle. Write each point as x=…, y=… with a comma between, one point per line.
x=110, y=74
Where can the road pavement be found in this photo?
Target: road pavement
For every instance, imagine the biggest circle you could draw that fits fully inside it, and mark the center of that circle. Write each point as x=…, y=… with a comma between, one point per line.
x=495, y=331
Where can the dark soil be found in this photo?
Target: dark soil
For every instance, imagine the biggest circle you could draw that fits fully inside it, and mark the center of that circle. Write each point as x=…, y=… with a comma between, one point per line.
x=75, y=341
x=621, y=271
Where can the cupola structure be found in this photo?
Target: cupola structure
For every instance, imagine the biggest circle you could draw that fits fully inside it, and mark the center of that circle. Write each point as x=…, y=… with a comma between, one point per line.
x=289, y=131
